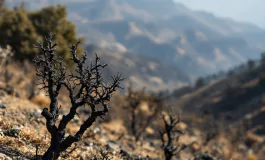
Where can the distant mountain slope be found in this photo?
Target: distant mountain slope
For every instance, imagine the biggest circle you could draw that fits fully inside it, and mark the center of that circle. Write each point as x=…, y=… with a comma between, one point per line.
x=140, y=70
x=236, y=97
x=195, y=42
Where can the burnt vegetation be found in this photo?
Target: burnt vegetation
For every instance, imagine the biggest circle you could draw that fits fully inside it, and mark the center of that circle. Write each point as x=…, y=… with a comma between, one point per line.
x=85, y=86
x=222, y=114
x=141, y=117
x=170, y=135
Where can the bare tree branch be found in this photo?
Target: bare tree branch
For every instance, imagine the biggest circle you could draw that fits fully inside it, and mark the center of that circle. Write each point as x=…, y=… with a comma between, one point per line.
x=168, y=144
x=85, y=86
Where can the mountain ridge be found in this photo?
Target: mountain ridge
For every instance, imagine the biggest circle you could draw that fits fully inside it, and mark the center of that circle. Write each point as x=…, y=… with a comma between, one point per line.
x=195, y=42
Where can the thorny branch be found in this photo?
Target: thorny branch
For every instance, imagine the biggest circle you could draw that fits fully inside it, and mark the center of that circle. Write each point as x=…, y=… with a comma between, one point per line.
x=85, y=86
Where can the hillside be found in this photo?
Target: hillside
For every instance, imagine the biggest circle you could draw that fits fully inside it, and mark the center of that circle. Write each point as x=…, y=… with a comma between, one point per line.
x=140, y=70
x=195, y=42
x=237, y=97
x=23, y=132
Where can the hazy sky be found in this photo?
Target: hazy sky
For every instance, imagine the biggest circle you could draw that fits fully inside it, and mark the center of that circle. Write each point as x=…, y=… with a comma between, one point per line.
x=244, y=10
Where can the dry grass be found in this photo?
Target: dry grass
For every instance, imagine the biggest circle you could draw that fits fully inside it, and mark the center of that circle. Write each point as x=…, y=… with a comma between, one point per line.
x=34, y=134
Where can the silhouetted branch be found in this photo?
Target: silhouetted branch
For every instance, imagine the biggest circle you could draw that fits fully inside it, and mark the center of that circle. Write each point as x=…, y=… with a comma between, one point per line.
x=85, y=86
x=168, y=145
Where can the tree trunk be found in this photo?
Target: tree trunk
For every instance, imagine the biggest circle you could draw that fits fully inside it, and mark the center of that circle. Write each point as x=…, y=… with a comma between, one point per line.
x=54, y=151
x=51, y=154
x=133, y=127
x=168, y=155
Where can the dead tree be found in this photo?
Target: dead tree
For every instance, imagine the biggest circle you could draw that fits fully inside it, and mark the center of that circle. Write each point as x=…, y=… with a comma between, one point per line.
x=134, y=99
x=156, y=105
x=140, y=121
x=85, y=86
x=168, y=144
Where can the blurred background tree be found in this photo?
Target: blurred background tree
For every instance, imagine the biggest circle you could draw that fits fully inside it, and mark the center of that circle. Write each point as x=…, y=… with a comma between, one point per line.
x=199, y=82
x=262, y=59
x=22, y=29
x=251, y=64
x=55, y=18
x=19, y=33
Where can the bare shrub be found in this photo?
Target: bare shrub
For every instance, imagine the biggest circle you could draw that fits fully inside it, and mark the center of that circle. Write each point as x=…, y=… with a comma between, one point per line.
x=142, y=114
x=85, y=86
x=170, y=135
